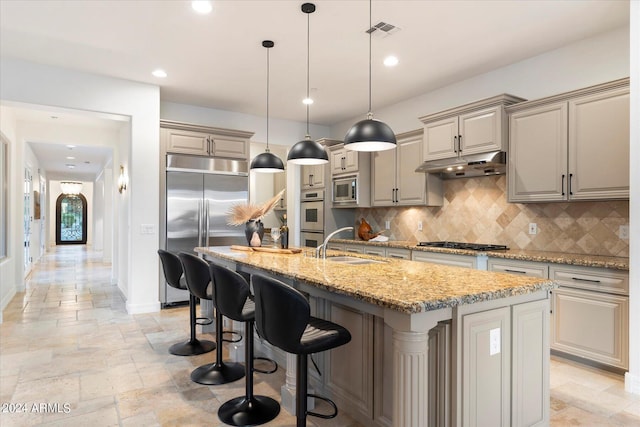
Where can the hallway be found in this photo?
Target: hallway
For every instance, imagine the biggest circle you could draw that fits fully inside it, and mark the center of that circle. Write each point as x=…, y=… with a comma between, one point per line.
x=68, y=341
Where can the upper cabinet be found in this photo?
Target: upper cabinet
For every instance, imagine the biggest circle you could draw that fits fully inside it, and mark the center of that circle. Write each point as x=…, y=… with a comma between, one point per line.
x=204, y=141
x=474, y=128
x=573, y=146
x=394, y=179
x=312, y=176
x=345, y=161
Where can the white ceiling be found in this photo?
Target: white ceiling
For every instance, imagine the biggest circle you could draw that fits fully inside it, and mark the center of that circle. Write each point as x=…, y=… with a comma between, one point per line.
x=217, y=60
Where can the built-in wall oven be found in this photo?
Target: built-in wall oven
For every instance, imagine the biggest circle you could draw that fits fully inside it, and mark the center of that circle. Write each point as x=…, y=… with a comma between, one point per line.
x=312, y=218
x=312, y=211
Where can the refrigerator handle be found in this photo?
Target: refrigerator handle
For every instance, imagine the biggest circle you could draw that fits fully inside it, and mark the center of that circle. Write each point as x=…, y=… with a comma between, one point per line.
x=199, y=222
x=206, y=224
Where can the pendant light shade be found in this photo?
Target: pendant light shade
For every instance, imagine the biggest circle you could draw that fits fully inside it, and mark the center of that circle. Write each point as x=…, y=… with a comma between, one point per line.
x=267, y=162
x=307, y=151
x=71, y=188
x=370, y=134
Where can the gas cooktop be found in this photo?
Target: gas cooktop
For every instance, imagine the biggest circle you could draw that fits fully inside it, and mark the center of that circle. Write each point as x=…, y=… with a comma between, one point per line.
x=469, y=246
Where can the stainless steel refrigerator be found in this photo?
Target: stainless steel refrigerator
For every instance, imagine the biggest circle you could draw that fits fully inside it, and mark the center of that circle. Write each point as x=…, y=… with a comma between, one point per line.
x=199, y=193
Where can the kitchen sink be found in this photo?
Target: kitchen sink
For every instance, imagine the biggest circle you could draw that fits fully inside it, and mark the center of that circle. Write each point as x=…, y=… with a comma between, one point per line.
x=351, y=260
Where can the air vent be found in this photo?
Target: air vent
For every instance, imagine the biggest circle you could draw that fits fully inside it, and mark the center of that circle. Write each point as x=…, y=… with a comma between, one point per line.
x=382, y=29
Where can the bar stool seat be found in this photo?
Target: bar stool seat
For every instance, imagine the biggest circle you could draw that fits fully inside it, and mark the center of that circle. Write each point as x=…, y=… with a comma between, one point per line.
x=174, y=275
x=283, y=318
x=232, y=297
x=196, y=271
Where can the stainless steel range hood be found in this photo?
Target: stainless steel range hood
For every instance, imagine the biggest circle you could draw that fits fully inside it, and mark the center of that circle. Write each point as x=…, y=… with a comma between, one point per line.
x=485, y=164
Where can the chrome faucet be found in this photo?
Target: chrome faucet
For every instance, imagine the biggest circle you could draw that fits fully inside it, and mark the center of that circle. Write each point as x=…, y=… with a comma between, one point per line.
x=323, y=247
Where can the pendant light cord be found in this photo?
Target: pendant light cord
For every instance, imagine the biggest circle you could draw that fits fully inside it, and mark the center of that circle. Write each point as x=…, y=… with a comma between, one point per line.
x=267, y=150
x=308, y=44
x=370, y=32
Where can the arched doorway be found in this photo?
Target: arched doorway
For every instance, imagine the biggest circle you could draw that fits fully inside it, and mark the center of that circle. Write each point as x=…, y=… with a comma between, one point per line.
x=71, y=219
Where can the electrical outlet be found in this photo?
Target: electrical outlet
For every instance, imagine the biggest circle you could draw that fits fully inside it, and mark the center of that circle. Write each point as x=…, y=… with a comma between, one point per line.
x=419, y=225
x=387, y=225
x=494, y=341
x=533, y=228
x=147, y=229
x=623, y=232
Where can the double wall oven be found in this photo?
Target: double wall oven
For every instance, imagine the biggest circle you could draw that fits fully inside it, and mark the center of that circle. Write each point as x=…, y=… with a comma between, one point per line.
x=312, y=218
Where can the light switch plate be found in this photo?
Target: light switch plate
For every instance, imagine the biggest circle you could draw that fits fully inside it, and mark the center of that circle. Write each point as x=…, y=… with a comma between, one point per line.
x=533, y=228
x=387, y=225
x=623, y=232
x=419, y=225
x=147, y=229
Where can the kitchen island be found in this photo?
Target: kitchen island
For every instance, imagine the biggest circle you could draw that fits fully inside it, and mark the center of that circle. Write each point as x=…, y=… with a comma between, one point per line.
x=432, y=344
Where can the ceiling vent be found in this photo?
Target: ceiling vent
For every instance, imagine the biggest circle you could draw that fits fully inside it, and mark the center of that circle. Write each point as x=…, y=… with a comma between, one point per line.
x=382, y=29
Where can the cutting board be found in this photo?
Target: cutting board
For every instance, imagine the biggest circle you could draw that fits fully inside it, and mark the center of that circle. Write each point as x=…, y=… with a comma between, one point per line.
x=265, y=249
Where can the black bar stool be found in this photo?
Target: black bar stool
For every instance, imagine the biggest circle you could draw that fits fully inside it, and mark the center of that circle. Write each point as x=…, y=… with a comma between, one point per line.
x=232, y=299
x=174, y=276
x=284, y=319
x=196, y=271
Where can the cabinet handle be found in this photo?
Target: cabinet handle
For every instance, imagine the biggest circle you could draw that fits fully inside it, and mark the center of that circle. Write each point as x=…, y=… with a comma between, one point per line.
x=310, y=180
x=342, y=162
x=455, y=144
x=396, y=256
x=570, y=178
x=586, y=280
x=562, y=184
x=515, y=271
x=460, y=144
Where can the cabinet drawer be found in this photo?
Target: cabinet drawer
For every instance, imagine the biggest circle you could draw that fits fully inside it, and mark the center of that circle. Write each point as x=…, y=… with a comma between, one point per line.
x=523, y=268
x=374, y=251
x=398, y=253
x=335, y=246
x=356, y=249
x=466, y=261
x=594, y=279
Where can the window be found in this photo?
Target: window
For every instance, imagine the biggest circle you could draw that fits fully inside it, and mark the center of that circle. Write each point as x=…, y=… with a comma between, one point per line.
x=71, y=219
x=4, y=190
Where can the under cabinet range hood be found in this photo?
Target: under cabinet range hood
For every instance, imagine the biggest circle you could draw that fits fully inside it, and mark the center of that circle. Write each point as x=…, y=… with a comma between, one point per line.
x=484, y=164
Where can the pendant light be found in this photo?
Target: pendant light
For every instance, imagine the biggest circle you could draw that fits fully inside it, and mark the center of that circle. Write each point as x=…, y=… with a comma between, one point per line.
x=370, y=134
x=267, y=162
x=307, y=151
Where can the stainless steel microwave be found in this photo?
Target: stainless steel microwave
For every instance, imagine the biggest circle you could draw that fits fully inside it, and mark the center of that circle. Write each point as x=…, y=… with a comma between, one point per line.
x=345, y=190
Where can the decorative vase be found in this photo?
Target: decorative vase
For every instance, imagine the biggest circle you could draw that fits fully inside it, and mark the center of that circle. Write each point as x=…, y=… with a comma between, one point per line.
x=254, y=231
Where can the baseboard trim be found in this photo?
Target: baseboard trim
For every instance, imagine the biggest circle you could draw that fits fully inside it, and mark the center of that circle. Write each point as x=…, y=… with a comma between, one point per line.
x=151, y=307
x=632, y=383
x=6, y=300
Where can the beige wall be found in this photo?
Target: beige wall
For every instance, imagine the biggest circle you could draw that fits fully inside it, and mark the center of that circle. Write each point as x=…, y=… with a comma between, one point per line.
x=476, y=210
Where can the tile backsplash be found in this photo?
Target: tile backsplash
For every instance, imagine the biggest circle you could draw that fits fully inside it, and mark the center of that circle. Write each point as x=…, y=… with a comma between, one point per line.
x=476, y=210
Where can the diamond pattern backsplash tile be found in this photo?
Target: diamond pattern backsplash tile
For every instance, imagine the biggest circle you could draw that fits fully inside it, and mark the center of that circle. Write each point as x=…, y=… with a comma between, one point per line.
x=476, y=210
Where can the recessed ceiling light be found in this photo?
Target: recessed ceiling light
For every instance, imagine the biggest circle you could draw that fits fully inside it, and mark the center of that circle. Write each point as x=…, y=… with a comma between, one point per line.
x=307, y=101
x=70, y=166
x=159, y=73
x=54, y=117
x=460, y=167
x=391, y=61
x=69, y=146
x=70, y=158
x=202, y=6
x=449, y=168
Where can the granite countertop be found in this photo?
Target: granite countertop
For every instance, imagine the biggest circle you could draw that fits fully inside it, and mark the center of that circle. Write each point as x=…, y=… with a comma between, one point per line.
x=616, y=263
x=405, y=286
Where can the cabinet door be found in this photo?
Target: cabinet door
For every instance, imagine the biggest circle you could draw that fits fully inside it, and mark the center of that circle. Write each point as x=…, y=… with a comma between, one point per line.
x=383, y=176
x=409, y=183
x=337, y=161
x=312, y=176
x=351, y=161
x=486, y=363
x=440, y=139
x=187, y=142
x=530, y=364
x=481, y=131
x=538, y=154
x=279, y=184
x=235, y=148
x=592, y=325
x=350, y=378
x=599, y=146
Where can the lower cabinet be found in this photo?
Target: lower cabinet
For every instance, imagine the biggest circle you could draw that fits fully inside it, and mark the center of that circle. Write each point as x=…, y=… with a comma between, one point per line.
x=590, y=314
x=505, y=366
x=397, y=253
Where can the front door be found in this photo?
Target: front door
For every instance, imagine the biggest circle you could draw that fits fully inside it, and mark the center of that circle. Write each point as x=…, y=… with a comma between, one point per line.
x=71, y=219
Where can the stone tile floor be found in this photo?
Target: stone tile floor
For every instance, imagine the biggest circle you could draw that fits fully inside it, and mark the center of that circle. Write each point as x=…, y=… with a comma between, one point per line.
x=67, y=341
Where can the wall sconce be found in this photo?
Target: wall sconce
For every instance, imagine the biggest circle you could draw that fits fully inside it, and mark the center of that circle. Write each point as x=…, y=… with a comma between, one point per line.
x=122, y=180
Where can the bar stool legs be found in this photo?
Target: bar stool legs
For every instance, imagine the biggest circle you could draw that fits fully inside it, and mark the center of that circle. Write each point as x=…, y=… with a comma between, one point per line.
x=218, y=372
x=249, y=410
x=194, y=346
